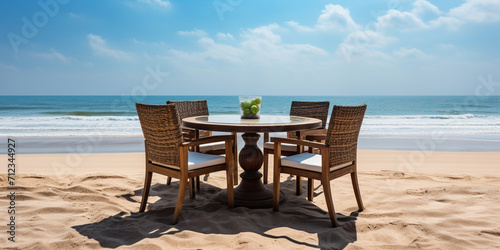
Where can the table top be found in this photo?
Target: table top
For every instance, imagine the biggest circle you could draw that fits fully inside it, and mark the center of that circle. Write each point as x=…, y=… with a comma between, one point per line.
x=266, y=123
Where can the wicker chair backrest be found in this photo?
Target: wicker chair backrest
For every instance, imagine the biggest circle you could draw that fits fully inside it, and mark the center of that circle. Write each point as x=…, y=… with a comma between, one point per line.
x=162, y=132
x=343, y=133
x=318, y=110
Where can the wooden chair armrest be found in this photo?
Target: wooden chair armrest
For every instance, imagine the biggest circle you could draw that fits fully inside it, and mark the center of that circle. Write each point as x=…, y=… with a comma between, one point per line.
x=188, y=134
x=188, y=130
x=208, y=140
x=192, y=133
x=228, y=139
x=315, y=137
x=316, y=131
x=299, y=142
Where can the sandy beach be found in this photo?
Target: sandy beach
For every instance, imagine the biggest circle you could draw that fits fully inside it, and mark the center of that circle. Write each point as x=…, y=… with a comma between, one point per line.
x=413, y=199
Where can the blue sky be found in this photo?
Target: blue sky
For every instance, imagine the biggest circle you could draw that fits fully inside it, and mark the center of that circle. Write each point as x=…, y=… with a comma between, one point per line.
x=237, y=47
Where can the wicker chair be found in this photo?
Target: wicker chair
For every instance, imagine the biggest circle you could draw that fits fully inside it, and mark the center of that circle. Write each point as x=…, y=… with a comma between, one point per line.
x=317, y=110
x=167, y=154
x=338, y=156
x=197, y=108
x=188, y=109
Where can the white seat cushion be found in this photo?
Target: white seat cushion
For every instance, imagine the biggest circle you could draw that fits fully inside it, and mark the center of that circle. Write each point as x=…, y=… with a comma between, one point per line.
x=284, y=146
x=198, y=160
x=212, y=146
x=308, y=161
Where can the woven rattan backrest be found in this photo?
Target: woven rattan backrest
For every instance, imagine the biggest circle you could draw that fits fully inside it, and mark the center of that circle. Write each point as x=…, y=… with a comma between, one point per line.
x=343, y=132
x=161, y=129
x=190, y=108
x=318, y=110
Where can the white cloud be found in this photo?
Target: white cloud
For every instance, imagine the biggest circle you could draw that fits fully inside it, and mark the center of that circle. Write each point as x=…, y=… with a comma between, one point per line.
x=147, y=56
x=224, y=36
x=183, y=56
x=259, y=46
x=403, y=21
x=263, y=33
x=211, y=50
x=194, y=32
x=299, y=27
x=425, y=15
x=148, y=43
x=472, y=11
x=422, y=7
x=306, y=49
x=446, y=46
x=366, y=43
x=444, y=21
x=8, y=67
x=161, y=3
x=99, y=46
x=53, y=55
x=73, y=15
x=219, y=51
x=410, y=53
x=332, y=18
x=335, y=17
x=478, y=11
x=267, y=47
x=368, y=38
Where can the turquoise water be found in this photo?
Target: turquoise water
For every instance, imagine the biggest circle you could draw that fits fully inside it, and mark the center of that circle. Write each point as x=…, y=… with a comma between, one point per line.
x=386, y=116
x=21, y=106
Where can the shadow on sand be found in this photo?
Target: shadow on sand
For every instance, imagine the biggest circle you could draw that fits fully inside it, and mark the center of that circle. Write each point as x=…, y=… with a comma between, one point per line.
x=206, y=215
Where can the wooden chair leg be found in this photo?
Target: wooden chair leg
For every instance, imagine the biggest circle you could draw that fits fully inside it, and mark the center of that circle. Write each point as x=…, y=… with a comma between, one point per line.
x=191, y=188
x=310, y=184
x=266, y=166
x=276, y=187
x=235, y=174
x=169, y=180
x=354, y=179
x=235, y=155
x=197, y=183
x=230, y=187
x=298, y=186
x=329, y=201
x=180, y=199
x=145, y=191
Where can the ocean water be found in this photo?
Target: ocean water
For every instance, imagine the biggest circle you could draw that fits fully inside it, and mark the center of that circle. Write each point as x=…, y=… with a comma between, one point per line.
x=386, y=116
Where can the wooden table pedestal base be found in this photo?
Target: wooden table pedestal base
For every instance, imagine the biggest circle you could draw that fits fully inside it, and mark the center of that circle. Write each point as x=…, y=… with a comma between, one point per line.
x=251, y=192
